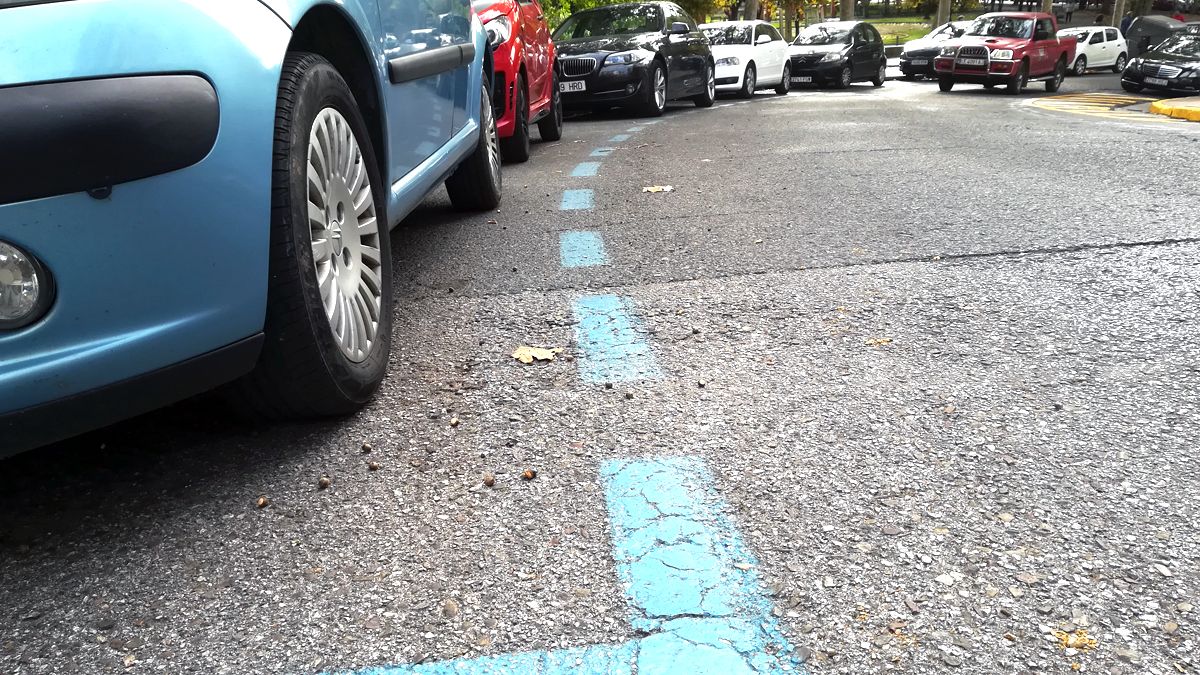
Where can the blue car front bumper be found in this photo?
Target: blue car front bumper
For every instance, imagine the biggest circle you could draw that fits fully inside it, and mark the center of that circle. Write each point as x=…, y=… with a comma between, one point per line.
x=170, y=265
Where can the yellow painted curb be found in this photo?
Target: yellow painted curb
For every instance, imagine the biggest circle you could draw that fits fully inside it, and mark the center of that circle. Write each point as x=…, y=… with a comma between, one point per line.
x=1179, y=108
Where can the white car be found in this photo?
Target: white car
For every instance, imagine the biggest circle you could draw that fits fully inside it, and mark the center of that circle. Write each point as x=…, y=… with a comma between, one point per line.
x=1099, y=47
x=749, y=55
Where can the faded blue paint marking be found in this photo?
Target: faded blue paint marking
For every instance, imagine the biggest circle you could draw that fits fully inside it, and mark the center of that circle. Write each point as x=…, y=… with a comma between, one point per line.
x=602, y=152
x=574, y=200
x=584, y=169
x=619, y=138
x=580, y=248
x=634, y=130
x=610, y=340
x=691, y=587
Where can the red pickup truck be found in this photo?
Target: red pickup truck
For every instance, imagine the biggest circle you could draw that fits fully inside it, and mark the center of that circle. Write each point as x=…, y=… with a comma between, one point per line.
x=1008, y=48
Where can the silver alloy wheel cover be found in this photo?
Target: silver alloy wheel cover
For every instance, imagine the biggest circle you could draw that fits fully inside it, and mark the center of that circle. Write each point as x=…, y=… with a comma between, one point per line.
x=883, y=72
x=344, y=235
x=786, y=82
x=751, y=77
x=712, y=81
x=847, y=76
x=660, y=88
x=1081, y=65
x=487, y=117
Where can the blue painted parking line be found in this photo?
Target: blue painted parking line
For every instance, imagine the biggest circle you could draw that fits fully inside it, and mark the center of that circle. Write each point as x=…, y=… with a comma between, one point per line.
x=602, y=152
x=634, y=130
x=690, y=583
x=585, y=169
x=575, y=200
x=619, y=138
x=581, y=249
x=611, y=344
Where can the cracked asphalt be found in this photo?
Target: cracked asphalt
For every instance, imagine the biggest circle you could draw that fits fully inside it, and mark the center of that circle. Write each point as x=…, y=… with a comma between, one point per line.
x=937, y=353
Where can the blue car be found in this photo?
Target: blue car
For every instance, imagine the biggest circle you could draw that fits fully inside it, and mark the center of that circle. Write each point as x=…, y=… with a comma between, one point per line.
x=196, y=193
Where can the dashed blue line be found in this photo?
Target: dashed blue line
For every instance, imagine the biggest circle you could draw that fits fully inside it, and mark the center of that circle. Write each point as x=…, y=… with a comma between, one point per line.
x=575, y=200
x=619, y=138
x=690, y=583
x=581, y=248
x=602, y=152
x=610, y=341
x=584, y=169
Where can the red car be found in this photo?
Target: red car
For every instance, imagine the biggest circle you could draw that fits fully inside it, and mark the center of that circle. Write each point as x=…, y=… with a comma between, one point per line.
x=1006, y=48
x=525, y=83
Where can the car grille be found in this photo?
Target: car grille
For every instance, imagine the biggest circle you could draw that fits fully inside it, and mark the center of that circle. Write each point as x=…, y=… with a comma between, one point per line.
x=922, y=53
x=801, y=59
x=578, y=67
x=972, y=52
x=1161, y=70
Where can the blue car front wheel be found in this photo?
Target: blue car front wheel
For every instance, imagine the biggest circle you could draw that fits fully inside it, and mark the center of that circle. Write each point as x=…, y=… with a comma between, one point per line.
x=329, y=310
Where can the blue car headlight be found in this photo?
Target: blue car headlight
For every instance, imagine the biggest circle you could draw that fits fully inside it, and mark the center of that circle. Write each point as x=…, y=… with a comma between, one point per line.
x=25, y=288
x=629, y=58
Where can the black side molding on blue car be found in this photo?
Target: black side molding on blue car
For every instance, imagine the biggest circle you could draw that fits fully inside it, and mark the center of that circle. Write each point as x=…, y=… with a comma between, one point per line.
x=62, y=137
x=429, y=62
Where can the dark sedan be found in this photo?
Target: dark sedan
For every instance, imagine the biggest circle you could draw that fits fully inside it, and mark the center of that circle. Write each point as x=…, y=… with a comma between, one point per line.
x=636, y=55
x=837, y=53
x=1173, y=65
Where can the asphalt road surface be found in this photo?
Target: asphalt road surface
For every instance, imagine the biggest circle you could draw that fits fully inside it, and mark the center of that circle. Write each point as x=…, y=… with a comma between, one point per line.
x=919, y=371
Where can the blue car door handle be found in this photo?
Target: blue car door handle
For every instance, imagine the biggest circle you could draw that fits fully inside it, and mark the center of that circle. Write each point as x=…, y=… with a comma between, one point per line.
x=429, y=62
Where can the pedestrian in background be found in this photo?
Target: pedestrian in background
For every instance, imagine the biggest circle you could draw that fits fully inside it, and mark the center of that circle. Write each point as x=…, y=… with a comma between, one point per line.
x=1125, y=21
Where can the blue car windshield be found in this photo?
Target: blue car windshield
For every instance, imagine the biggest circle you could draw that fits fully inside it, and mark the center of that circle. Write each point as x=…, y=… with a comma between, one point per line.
x=620, y=20
x=1002, y=26
x=728, y=35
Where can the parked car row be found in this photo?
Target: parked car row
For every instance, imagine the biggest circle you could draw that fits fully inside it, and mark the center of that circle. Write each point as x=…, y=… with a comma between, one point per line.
x=212, y=206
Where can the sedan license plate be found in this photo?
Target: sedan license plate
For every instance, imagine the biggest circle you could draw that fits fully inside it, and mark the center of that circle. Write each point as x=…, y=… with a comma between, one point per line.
x=920, y=62
x=572, y=86
x=802, y=80
x=1157, y=80
x=973, y=62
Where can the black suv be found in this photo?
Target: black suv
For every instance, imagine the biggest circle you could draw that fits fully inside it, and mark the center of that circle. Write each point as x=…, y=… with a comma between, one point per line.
x=636, y=55
x=837, y=53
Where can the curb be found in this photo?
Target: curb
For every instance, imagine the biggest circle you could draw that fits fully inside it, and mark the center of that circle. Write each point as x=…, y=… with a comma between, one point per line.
x=1179, y=108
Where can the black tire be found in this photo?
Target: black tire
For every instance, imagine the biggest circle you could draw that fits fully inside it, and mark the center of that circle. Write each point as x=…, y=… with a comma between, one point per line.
x=1017, y=82
x=989, y=85
x=302, y=371
x=945, y=83
x=1119, y=65
x=709, y=96
x=1060, y=74
x=550, y=127
x=650, y=106
x=749, y=81
x=881, y=76
x=515, y=148
x=1131, y=87
x=475, y=185
x=785, y=84
x=845, y=77
x=1080, y=67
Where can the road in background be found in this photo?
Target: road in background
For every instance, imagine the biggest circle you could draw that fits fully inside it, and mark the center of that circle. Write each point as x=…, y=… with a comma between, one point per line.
x=936, y=353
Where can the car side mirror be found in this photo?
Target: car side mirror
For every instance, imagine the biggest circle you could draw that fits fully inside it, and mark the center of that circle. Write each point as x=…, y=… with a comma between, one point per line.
x=679, y=28
x=763, y=39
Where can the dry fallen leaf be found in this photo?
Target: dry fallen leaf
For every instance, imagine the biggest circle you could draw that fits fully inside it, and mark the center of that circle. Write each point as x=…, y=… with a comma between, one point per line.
x=489, y=480
x=373, y=466
x=879, y=342
x=659, y=188
x=1077, y=639
x=527, y=354
x=367, y=448
x=323, y=482
x=263, y=502
x=528, y=474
